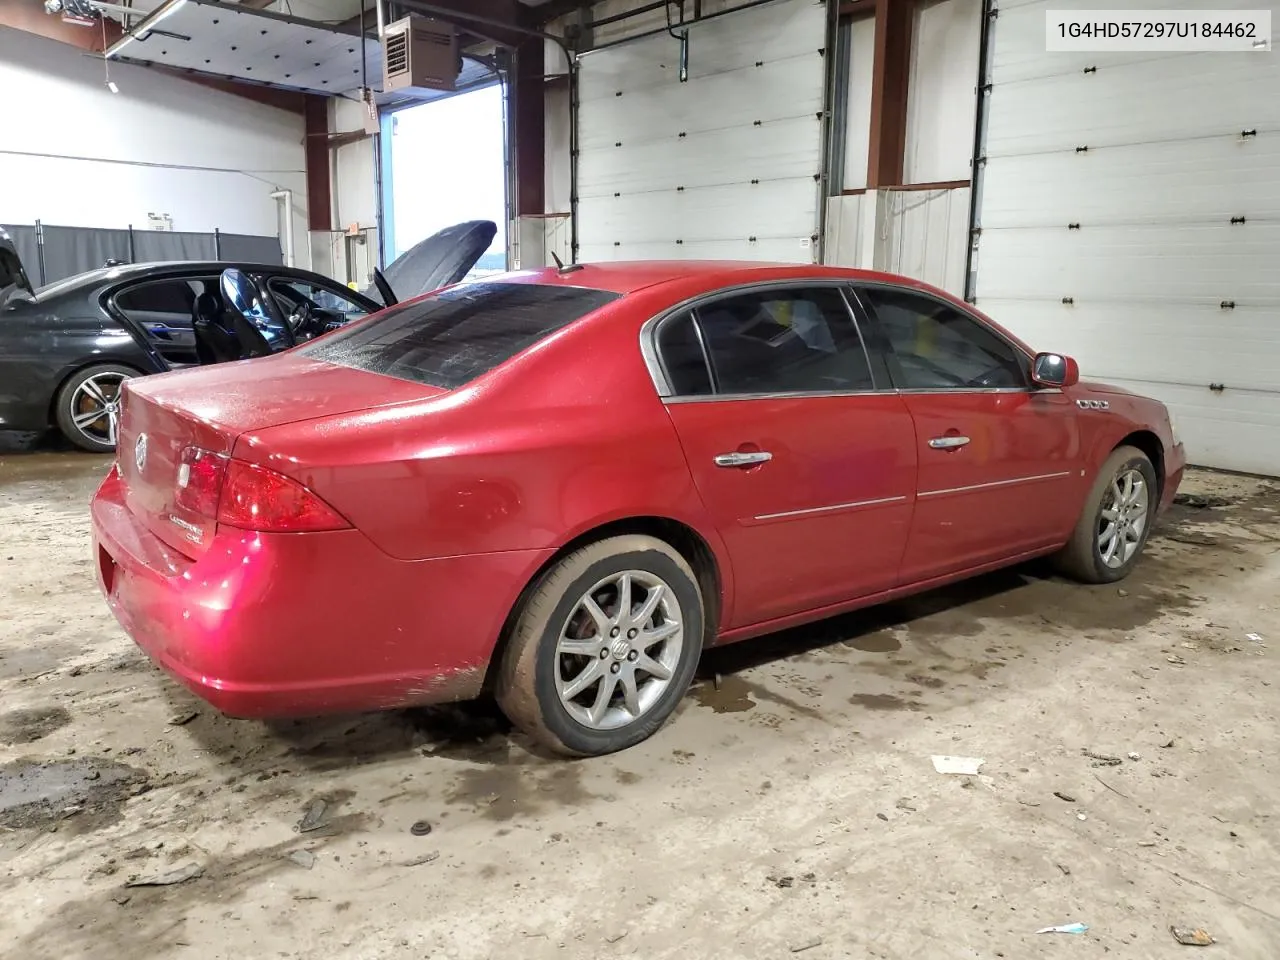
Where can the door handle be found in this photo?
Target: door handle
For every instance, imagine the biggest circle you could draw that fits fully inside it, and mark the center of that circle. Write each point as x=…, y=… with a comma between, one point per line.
x=743, y=459
x=948, y=443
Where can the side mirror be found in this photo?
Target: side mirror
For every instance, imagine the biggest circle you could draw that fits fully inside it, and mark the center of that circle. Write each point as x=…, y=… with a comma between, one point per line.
x=1055, y=370
x=240, y=292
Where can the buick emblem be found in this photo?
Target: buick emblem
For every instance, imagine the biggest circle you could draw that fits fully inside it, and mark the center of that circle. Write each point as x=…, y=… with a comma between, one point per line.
x=140, y=452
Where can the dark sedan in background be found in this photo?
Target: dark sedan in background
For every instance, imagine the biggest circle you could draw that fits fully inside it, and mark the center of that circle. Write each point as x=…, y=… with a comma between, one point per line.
x=66, y=348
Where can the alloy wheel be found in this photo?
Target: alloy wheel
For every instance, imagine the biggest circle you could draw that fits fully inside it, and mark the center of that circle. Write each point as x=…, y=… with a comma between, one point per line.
x=618, y=650
x=1123, y=520
x=95, y=407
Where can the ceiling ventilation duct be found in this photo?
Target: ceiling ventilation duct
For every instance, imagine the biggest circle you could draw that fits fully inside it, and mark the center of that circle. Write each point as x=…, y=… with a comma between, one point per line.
x=422, y=54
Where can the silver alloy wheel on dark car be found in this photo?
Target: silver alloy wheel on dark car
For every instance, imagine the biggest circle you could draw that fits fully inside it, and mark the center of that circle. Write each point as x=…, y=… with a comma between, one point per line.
x=88, y=407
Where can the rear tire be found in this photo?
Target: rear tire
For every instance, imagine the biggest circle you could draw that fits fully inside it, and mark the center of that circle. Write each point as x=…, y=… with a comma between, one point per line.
x=1116, y=521
x=93, y=390
x=604, y=647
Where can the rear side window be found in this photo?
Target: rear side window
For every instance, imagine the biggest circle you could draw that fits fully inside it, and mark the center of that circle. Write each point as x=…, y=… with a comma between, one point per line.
x=458, y=334
x=682, y=357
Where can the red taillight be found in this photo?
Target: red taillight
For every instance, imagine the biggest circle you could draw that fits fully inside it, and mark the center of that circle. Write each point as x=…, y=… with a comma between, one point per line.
x=249, y=497
x=200, y=475
x=255, y=498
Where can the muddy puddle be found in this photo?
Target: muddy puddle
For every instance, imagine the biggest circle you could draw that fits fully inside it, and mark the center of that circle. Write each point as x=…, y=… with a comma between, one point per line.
x=36, y=793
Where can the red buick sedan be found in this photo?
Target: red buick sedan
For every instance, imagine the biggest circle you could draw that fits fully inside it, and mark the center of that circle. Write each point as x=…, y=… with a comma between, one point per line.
x=562, y=485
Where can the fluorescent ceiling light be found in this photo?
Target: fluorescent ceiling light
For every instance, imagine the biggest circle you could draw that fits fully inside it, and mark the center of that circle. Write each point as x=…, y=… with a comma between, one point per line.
x=148, y=24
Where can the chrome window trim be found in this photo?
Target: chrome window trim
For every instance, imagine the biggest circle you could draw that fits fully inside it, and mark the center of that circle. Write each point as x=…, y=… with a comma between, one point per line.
x=848, y=288
x=780, y=395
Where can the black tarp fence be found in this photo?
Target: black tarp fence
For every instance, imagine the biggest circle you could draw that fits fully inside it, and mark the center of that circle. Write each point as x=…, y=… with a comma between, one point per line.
x=51, y=253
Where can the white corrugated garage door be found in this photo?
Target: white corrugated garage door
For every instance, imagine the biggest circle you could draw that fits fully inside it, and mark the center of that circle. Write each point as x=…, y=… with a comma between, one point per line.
x=1156, y=289
x=721, y=166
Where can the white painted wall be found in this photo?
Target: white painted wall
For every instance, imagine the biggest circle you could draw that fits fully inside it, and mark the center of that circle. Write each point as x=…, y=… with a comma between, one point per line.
x=942, y=99
x=355, y=191
x=857, y=127
x=75, y=154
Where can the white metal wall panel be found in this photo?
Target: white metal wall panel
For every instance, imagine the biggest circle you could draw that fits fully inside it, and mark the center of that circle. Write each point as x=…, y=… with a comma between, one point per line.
x=1124, y=254
x=924, y=233
x=723, y=165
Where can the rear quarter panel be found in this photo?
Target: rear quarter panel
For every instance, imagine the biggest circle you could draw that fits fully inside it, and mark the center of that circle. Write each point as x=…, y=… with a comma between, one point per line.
x=557, y=441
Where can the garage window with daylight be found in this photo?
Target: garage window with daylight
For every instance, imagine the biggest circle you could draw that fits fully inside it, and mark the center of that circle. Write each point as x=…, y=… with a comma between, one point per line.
x=449, y=338
x=782, y=341
x=932, y=346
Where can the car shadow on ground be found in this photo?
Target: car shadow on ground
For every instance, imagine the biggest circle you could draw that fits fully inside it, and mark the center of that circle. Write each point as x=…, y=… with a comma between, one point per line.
x=937, y=622
x=477, y=732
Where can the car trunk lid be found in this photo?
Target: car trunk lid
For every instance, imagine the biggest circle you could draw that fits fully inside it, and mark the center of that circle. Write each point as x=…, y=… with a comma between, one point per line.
x=209, y=409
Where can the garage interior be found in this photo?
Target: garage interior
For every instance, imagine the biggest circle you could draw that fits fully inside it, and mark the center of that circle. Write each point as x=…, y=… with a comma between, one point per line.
x=1122, y=208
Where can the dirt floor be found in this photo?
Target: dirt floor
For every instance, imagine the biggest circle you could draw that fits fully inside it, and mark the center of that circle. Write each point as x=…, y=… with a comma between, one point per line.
x=790, y=807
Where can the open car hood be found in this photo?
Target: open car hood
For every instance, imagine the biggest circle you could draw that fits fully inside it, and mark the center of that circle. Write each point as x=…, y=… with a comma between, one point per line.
x=12, y=275
x=438, y=261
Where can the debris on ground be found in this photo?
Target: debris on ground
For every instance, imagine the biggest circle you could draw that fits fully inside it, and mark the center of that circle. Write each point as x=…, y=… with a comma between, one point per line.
x=303, y=858
x=1254, y=638
x=420, y=828
x=782, y=883
x=1066, y=871
x=882, y=816
x=1134, y=755
x=1082, y=816
x=1064, y=797
x=1103, y=759
x=964, y=766
x=1202, y=501
x=1065, y=928
x=1111, y=788
x=188, y=871
x=421, y=859
x=1192, y=936
x=807, y=945
x=182, y=719
x=313, y=819
x=1176, y=660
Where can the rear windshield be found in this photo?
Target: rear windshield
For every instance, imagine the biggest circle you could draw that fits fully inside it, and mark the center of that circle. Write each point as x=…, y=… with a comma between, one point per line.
x=454, y=336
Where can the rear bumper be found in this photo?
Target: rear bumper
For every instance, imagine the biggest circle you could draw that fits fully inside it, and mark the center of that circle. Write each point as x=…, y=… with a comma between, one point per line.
x=275, y=625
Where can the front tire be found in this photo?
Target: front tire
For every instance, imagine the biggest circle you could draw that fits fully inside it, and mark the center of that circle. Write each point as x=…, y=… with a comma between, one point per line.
x=604, y=647
x=87, y=408
x=1116, y=521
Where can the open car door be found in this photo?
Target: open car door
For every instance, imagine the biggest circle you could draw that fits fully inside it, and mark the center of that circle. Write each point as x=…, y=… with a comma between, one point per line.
x=442, y=259
x=12, y=275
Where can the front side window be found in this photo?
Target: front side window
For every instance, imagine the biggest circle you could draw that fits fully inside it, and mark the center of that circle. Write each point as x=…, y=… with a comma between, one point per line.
x=451, y=337
x=328, y=308
x=788, y=340
x=933, y=346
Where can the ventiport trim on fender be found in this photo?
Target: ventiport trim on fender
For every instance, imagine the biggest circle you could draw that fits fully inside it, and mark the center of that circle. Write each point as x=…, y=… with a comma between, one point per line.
x=834, y=506
x=996, y=483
